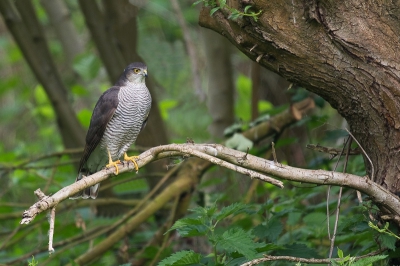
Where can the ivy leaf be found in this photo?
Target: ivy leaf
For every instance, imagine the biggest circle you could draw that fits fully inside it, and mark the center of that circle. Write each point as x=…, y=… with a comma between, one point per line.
x=185, y=257
x=237, y=240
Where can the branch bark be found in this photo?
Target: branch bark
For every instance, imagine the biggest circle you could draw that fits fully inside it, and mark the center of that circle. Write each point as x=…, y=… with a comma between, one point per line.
x=221, y=155
x=344, y=52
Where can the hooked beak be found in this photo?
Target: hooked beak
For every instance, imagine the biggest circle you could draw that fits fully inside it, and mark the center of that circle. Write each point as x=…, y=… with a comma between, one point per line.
x=145, y=73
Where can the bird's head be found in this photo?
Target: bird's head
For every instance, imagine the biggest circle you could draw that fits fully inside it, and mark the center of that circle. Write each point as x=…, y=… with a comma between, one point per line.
x=136, y=72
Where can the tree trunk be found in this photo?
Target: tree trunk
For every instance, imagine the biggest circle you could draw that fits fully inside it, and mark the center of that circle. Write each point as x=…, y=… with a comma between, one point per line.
x=346, y=52
x=220, y=88
x=22, y=22
x=60, y=19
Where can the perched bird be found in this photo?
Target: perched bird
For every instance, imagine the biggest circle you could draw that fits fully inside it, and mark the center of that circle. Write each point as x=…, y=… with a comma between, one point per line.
x=118, y=117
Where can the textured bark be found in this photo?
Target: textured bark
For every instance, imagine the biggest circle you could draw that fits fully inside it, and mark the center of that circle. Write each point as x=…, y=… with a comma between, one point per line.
x=346, y=52
x=23, y=24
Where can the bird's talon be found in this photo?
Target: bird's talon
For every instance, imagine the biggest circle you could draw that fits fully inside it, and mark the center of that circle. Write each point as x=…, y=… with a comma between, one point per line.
x=115, y=164
x=133, y=160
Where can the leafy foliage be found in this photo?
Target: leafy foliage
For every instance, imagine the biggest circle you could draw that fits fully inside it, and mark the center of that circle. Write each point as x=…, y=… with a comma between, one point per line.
x=181, y=258
x=350, y=261
x=291, y=222
x=234, y=13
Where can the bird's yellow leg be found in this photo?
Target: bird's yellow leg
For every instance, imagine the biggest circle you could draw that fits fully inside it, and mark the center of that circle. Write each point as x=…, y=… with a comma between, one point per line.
x=133, y=160
x=111, y=163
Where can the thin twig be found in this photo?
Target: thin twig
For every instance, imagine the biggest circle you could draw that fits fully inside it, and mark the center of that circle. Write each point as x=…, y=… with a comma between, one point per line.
x=273, y=152
x=304, y=260
x=330, y=150
x=348, y=143
x=52, y=219
x=366, y=155
x=329, y=193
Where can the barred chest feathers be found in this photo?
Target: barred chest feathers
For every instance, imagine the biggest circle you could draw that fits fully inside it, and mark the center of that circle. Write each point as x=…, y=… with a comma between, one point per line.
x=124, y=127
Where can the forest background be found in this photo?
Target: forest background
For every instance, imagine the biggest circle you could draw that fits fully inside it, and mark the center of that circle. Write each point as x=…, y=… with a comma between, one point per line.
x=57, y=57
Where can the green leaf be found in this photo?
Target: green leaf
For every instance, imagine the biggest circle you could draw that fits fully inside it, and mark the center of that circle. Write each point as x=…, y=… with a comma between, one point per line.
x=79, y=90
x=246, y=9
x=188, y=227
x=234, y=15
x=197, y=2
x=293, y=218
x=87, y=65
x=165, y=106
x=206, y=212
x=340, y=253
x=243, y=102
x=229, y=131
x=369, y=260
x=239, y=142
x=264, y=106
x=185, y=257
x=237, y=240
x=315, y=219
x=232, y=209
x=40, y=95
x=271, y=230
x=388, y=241
x=215, y=9
x=84, y=116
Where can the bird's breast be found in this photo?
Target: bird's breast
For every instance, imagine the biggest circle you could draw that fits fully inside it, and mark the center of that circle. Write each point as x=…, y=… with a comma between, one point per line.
x=122, y=130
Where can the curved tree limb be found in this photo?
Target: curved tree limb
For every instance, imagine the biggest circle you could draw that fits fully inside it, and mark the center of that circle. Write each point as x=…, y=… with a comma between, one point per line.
x=238, y=161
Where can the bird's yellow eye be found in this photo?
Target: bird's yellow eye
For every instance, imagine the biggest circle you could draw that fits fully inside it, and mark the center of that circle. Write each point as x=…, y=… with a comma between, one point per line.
x=136, y=70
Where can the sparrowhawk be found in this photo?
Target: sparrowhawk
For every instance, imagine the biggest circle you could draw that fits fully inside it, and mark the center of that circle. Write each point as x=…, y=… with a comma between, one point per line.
x=118, y=117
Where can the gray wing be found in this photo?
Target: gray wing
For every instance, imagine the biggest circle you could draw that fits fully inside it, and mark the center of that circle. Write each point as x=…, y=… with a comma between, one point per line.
x=102, y=114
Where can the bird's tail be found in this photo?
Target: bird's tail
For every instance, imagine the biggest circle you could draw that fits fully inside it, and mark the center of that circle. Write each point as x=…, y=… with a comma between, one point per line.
x=90, y=192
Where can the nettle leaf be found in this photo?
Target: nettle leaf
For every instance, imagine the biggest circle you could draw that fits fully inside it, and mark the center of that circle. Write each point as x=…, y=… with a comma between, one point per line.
x=388, y=241
x=369, y=260
x=185, y=257
x=233, y=209
x=271, y=230
x=188, y=227
x=205, y=213
x=237, y=240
